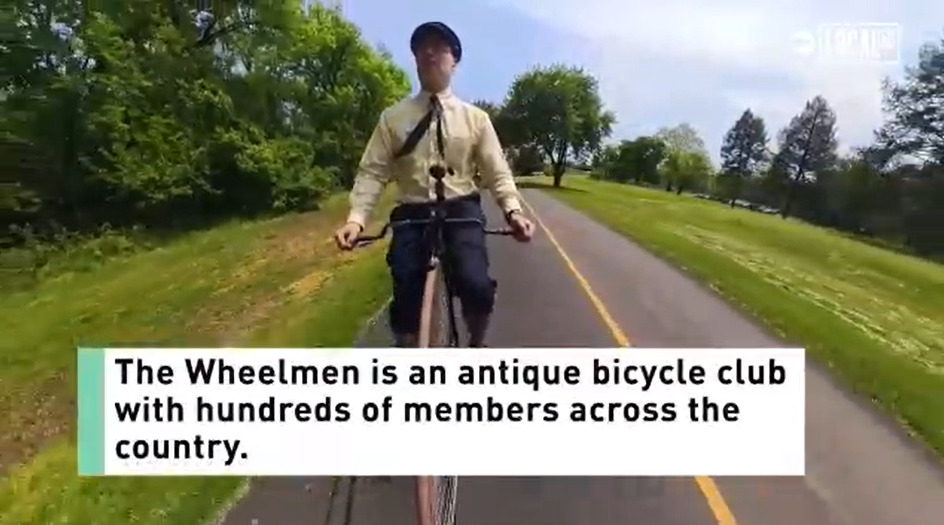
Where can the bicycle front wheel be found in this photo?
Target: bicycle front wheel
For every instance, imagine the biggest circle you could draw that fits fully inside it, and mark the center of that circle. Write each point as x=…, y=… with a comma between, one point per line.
x=445, y=504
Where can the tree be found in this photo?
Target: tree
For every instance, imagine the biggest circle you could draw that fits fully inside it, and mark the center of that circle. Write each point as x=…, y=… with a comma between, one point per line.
x=912, y=140
x=642, y=157
x=636, y=159
x=743, y=151
x=916, y=124
x=684, y=169
x=559, y=110
x=682, y=145
x=682, y=138
x=807, y=145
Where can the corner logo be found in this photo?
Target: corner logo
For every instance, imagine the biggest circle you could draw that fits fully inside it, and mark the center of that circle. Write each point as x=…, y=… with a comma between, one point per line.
x=878, y=43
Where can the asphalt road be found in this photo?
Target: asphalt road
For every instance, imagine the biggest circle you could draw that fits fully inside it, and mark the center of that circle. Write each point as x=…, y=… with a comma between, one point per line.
x=861, y=469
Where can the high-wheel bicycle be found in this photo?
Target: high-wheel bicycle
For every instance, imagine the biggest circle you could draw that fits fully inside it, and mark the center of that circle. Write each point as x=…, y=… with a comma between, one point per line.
x=436, y=495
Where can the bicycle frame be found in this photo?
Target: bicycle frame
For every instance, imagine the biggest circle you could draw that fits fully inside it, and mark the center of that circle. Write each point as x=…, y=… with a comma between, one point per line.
x=427, y=486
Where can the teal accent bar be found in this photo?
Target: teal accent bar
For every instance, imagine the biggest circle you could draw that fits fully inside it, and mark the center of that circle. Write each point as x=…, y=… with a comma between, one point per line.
x=91, y=396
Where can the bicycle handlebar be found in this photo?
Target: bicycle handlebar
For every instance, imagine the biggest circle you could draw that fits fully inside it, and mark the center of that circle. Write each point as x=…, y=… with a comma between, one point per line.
x=364, y=240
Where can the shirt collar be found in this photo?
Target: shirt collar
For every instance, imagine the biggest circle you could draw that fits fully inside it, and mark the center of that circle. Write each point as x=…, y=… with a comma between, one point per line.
x=443, y=95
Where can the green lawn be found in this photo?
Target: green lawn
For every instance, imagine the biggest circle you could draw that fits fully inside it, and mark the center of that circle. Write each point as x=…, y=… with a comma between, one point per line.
x=277, y=282
x=875, y=317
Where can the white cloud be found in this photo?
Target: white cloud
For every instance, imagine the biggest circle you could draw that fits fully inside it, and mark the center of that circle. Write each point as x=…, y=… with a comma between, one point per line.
x=666, y=61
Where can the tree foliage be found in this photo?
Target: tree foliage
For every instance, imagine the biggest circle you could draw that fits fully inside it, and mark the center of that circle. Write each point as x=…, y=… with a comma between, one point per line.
x=681, y=170
x=915, y=108
x=558, y=110
x=743, y=154
x=682, y=138
x=634, y=160
x=807, y=146
x=143, y=112
x=686, y=163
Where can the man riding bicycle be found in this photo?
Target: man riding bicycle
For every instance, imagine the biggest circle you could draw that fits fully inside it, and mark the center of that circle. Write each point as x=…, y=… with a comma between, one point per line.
x=394, y=151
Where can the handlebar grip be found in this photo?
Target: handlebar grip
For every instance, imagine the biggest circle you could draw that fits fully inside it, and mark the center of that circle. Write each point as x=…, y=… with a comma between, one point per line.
x=364, y=241
x=499, y=231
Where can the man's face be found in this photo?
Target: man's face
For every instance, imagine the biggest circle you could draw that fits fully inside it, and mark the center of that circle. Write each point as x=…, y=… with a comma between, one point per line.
x=434, y=61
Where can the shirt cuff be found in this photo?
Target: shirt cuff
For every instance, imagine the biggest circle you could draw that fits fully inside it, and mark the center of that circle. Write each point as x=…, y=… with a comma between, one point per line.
x=357, y=218
x=509, y=205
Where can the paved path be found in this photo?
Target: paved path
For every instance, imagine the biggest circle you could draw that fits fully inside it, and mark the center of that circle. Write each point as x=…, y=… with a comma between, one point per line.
x=861, y=470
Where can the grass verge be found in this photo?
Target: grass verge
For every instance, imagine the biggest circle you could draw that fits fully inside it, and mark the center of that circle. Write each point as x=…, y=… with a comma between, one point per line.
x=277, y=282
x=873, y=316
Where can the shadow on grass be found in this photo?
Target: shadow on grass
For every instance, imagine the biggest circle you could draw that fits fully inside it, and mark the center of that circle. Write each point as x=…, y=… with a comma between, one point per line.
x=533, y=184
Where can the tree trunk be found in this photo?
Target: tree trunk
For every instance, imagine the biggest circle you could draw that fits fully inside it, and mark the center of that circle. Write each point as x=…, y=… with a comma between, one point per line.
x=558, y=173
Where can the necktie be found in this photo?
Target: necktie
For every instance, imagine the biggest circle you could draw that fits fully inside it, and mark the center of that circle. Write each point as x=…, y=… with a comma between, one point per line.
x=435, y=111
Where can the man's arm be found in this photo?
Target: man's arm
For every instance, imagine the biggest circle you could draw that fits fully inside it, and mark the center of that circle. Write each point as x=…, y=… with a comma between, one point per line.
x=496, y=174
x=373, y=173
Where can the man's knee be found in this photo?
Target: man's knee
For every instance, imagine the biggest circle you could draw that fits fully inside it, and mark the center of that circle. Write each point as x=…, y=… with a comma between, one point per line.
x=478, y=295
x=470, y=270
x=475, y=287
x=406, y=258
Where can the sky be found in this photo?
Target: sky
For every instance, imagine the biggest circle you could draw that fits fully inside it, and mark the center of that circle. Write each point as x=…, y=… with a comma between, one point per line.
x=663, y=62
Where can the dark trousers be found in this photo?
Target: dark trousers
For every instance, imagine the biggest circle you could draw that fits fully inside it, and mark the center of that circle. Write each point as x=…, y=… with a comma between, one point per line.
x=408, y=259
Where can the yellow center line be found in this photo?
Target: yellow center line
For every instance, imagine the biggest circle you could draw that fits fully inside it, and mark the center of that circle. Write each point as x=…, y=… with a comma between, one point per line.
x=709, y=489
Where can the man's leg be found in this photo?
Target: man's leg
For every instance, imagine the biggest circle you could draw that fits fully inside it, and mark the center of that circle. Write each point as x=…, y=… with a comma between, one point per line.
x=478, y=327
x=471, y=279
x=407, y=258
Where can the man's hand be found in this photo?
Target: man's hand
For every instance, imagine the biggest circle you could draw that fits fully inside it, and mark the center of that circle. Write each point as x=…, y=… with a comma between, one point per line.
x=347, y=235
x=522, y=228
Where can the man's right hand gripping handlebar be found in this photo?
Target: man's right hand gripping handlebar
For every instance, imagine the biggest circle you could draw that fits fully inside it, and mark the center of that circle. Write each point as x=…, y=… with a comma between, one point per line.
x=521, y=227
x=346, y=236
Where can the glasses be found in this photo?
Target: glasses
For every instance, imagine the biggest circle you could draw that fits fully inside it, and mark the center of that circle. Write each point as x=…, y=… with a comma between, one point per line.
x=433, y=45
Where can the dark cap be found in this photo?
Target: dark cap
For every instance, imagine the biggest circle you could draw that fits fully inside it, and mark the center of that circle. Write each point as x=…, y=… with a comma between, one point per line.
x=424, y=29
